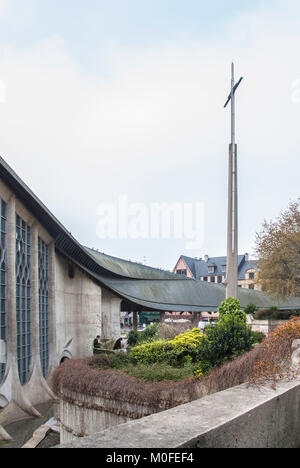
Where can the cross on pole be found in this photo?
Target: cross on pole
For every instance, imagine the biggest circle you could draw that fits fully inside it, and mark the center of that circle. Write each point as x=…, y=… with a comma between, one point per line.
x=232, y=229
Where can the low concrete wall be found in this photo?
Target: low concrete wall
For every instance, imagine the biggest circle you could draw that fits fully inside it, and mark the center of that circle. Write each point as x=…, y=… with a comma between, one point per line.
x=237, y=418
x=83, y=415
x=264, y=326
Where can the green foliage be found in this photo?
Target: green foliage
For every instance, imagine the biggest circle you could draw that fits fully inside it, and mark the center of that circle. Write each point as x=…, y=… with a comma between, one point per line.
x=155, y=371
x=258, y=337
x=274, y=314
x=132, y=338
x=191, y=353
x=251, y=309
x=231, y=307
x=112, y=361
x=149, y=334
x=178, y=351
x=146, y=336
x=150, y=353
x=229, y=338
x=158, y=372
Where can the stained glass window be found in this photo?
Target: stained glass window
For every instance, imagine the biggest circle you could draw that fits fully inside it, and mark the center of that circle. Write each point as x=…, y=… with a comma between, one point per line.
x=44, y=305
x=3, y=279
x=23, y=299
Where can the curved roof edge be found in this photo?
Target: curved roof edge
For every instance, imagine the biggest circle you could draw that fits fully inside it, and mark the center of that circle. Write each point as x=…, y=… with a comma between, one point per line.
x=93, y=261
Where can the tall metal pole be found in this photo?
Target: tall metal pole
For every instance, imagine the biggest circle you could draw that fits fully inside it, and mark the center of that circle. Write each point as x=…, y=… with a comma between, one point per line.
x=232, y=228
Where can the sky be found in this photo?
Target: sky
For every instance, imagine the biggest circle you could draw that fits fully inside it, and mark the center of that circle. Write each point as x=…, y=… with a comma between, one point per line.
x=103, y=100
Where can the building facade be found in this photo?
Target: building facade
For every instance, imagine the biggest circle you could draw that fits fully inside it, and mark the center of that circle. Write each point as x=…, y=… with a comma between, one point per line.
x=51, y=309
x=213, y=270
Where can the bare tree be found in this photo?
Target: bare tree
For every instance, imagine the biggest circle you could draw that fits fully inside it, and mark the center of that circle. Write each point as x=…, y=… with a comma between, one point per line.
x=278, y=251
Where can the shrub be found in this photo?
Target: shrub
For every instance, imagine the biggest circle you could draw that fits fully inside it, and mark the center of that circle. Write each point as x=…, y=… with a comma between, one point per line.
x=158, y=372
x=232, y=307
x=274, y=362
x=150, y=353
x=258, y=337
x=263, y=315
x=230, y=337
x=273, y=313
x=175, y=352
x=132, y=338
x=111, y=361
x=149, y=334
x=251, y=309
x=168, y=331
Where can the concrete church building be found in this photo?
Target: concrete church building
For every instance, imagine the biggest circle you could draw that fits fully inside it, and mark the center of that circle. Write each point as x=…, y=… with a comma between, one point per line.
x=57, y=295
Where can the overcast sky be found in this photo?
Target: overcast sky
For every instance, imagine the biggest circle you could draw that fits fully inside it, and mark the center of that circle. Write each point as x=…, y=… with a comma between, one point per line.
x=100, y=99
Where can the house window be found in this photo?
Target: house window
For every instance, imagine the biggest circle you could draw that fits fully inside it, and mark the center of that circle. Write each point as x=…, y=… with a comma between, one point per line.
x=251, y=286
x=212, y=279
x=251, y=276
x=223, y=268
x=3, y=314
x=205, y=278
x=181, y=272
x=23, y=298
x=211, y=269
x=220, y=279
x=44, y=305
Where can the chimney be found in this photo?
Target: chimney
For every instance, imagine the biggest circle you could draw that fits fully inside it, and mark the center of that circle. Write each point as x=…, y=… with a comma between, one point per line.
x=206, y=257
x=247, y=257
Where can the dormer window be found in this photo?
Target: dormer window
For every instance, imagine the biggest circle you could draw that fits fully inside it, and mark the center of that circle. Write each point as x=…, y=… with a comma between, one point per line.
x=223, y=268
x=181, y=272
x=211, y=269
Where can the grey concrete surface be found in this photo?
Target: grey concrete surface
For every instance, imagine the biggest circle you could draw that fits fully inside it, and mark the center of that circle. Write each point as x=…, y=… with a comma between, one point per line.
x=240, y=417
x=22, y=431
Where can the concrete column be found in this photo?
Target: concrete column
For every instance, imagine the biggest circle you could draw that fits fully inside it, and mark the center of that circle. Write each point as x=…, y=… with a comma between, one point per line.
x=35, y=297
x=11, y=291
x=110, y=320
x=135, y=320
x=196, y=318
x=162, y=316
x=54, y=358
x=232, y=229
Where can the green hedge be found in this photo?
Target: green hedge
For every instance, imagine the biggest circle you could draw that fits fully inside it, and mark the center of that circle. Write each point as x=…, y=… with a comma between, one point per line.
x=182, y=349
x=274, y=314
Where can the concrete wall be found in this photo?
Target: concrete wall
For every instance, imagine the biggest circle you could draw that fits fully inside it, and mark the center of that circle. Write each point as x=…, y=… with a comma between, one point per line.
x=263, y=326
x=111, y=316
x=84, y=415
x=78, y=312
x=76, y=306
x=240, y=417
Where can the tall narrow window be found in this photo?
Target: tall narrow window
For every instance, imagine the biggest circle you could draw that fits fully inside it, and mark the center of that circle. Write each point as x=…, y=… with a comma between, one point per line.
x=23, y=298
x=44, y=305
x=3, y=313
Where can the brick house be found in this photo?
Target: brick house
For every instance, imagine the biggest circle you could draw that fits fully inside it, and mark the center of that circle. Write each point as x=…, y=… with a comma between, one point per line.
x=213, y=270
